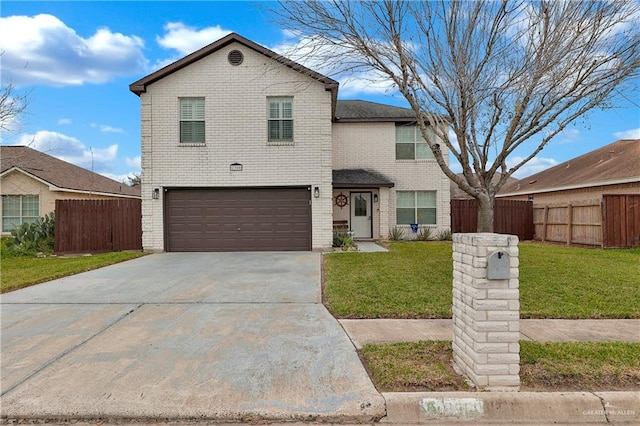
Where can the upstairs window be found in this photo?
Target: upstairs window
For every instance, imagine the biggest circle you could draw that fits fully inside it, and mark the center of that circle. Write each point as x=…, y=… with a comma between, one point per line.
x=280, y=119
x=416, y=207
x=410, y=145
x=191, y=120
x=19, y=209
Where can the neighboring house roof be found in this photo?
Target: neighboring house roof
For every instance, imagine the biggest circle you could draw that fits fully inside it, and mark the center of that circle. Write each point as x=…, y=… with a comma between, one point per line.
x=615, y=163
x=60, y=175
x=457, y=193
x=360, y=178
x=140, y=86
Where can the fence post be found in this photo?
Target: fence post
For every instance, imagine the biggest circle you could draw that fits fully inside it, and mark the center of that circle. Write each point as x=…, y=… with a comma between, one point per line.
x=486, y=310
x=544, y=223
x=569, y=224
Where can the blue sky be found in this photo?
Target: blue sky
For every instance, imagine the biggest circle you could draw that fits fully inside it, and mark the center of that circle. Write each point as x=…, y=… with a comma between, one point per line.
x=75, y=60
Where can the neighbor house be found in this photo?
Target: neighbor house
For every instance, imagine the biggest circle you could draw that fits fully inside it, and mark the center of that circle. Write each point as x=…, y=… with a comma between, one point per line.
x=243, y=149
x=612, y=169
x=31, y=182
x=459, y=194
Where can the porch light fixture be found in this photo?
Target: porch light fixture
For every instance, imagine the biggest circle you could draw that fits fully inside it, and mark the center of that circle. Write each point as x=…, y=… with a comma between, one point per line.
x=155, y=194
x=375, y=198
x=316, y=192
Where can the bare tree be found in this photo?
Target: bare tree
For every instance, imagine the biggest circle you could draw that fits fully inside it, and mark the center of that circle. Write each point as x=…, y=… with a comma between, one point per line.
x=12, y=105
x=500, y=75
x=134, y=180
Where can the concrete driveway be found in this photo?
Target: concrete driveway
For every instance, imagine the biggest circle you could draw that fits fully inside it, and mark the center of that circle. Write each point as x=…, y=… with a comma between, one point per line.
x=182, y=336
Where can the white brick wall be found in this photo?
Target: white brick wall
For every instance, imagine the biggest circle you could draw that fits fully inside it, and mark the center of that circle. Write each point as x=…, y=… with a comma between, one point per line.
x=372, y=146
x=236, y=131
x=486, y=312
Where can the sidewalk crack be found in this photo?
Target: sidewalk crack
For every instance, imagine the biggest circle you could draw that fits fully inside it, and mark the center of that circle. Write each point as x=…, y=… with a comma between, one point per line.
x=604, y=406
x=69, y=350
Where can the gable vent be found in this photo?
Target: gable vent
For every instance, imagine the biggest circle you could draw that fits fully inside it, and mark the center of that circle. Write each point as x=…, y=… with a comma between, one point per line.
x=235, y=57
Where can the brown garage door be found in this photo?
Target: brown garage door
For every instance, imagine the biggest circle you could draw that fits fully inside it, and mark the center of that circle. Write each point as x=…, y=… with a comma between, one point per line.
x=233, y=219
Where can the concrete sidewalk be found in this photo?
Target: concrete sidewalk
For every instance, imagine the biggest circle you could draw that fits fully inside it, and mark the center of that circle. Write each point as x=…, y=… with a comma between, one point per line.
x=493, y=408
x=363, y=331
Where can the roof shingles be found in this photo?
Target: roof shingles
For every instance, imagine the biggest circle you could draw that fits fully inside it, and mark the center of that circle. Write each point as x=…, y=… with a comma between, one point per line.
x=613, y=163
x=360, y=178
x=59, y=173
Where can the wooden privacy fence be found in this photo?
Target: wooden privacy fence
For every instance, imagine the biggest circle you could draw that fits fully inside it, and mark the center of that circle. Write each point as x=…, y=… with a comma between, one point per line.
x=621, y=221
x=612, y=222
x=93, y=226
x=574, y=223
x=510, y=217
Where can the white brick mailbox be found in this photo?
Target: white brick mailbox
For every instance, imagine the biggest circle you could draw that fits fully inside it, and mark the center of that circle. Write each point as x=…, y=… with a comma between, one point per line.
x=486, y=310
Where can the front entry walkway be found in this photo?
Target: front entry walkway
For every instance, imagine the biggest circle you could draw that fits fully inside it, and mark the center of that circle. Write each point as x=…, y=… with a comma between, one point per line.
x=183, y=336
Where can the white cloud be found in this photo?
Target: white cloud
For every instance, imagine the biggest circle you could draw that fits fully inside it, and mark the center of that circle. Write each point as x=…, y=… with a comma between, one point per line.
x=108, y=129
x=628, y=134
x=134, y=162
x=535, y=165
x=64, y=121
x=120, y=178
x=185, y=39
x=453, y=138
x=71, y=150
x=569, y=135
x=41, y=49
x=334, y=61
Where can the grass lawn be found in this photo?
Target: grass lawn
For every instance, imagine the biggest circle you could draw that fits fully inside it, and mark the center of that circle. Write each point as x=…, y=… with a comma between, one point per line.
x=413, y=280
x=566, y=366
x=19, y=272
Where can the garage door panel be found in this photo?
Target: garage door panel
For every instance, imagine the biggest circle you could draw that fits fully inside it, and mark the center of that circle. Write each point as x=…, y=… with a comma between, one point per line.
x=238, y=219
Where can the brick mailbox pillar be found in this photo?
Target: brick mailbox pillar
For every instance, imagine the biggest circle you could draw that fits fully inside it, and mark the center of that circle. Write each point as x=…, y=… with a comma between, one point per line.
x=486, y=310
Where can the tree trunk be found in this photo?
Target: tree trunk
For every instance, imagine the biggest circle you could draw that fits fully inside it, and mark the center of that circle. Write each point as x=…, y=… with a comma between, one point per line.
x=485, y=213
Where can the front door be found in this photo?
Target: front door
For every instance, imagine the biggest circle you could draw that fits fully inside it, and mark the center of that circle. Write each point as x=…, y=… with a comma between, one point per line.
x=361, y=215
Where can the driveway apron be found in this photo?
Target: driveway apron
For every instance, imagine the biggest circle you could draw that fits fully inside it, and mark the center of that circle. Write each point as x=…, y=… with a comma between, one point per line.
x=182, y=336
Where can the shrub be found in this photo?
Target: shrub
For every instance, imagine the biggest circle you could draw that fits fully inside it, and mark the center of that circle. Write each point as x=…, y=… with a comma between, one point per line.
x=424, y=234
x=343, y=240
x=30, y=238
x=444, y=235
x=396, y=233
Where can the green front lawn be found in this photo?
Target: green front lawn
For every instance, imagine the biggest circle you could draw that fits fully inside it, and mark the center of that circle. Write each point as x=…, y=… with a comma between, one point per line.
x=413, y=280
x=565, y=366
x=19, y=272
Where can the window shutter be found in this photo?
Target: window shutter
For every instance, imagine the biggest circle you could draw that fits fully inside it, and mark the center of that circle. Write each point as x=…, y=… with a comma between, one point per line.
x=198, y=109
x=287, y=109
x=192, y=109
x=192, y=120
x=287, y=130
x=426, y=199
x=186, y=131
x=280, y=119
x=274, y=110
x=186, y=109
x=198, y=131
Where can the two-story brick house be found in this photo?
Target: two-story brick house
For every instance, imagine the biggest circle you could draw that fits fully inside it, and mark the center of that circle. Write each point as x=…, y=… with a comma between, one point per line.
x=243, y=149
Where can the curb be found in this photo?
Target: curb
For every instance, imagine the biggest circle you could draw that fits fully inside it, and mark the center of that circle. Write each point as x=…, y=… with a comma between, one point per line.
x=416, y=408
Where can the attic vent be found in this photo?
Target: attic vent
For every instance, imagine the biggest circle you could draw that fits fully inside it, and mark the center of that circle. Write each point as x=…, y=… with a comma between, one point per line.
x=235, y=57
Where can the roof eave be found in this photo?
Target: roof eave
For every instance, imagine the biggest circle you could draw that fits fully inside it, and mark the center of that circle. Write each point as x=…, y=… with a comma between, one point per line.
x=363, y=185
x=140, y=86
x=55, y=188
x=373, y=120
x=631, y=179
